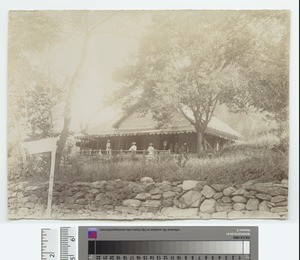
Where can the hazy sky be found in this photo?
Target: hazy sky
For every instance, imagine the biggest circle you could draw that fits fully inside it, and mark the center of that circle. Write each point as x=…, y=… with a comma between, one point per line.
x=109, y=48
x=105, y=54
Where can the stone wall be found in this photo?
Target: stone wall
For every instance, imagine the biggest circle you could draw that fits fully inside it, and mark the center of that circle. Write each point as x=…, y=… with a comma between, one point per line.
x=147, y=199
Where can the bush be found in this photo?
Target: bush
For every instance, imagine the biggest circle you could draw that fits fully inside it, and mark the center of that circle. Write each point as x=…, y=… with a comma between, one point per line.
x=240, y=163
x=94, y=169
x=262, y=158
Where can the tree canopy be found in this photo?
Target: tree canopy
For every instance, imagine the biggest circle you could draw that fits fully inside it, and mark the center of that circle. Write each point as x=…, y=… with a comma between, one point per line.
x=33, y=92
x=191, y=63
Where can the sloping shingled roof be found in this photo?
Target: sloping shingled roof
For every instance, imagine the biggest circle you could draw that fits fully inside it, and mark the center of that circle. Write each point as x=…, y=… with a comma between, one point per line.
x=138, y=124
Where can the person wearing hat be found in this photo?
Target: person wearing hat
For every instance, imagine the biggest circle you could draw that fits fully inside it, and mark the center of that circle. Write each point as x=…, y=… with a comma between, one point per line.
x=151, y=151
x=133, y=149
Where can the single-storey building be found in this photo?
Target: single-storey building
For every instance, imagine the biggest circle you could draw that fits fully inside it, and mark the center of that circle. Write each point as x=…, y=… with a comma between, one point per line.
x=142, y=129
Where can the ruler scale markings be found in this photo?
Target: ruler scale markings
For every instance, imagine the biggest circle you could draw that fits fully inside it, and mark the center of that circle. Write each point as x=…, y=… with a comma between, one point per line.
x=218, y=249
x=68, y=243
x=49, y=244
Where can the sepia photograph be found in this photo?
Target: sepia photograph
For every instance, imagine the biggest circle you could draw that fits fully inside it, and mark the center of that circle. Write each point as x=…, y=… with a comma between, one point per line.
x=159, y=115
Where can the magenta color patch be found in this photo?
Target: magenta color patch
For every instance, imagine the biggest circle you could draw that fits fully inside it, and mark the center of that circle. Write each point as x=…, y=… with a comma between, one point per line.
x=92, y=233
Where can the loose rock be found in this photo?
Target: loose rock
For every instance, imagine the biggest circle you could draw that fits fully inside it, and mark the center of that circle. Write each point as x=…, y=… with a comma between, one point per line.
x=189, y=184
x=239, y=199
x=263, y=196
x=208, y=206
x=208, y=192
x=146, y=179
x=168, y=194
x=226, y=199
x=263, y=206
x=224, y=207
x=218, y=195
x=277, y=199
x=239, y=206
x=151, y=203
x=132, y=203
x=188, y=199
x=218, y=187
x=252, y=204
x=143, y=196
x=228, y=191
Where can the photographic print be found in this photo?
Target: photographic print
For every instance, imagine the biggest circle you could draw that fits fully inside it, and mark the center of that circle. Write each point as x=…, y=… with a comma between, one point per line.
x=148, y=114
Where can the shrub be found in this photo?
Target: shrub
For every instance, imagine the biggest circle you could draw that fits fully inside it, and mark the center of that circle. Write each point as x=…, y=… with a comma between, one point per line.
x=259, y=159
x=241, y=162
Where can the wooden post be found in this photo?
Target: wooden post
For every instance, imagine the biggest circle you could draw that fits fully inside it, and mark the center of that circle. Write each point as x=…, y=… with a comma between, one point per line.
x=24, y=159
x=51, y=181
x=42, y=146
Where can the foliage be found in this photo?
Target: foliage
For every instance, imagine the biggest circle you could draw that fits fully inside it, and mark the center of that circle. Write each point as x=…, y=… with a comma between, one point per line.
x=15, y=165
x=38, y=165
x=40, y=103
x=266, y=71
x=258, y=159
x=22, y=166
x=192, y=63
x=33, y=89
x=32, y=93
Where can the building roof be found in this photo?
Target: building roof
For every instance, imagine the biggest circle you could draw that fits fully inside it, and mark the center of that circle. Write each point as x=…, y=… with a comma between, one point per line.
x=139, y=124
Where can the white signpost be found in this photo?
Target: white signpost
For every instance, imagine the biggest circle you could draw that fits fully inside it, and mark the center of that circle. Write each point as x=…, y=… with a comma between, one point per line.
x=42, y=146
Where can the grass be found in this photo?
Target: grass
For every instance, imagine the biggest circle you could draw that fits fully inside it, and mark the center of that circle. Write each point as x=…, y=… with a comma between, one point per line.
x=239, y=163
x=262, y=159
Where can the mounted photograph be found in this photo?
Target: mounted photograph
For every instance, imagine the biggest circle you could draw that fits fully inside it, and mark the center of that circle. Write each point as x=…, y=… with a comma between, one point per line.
x=160, y=115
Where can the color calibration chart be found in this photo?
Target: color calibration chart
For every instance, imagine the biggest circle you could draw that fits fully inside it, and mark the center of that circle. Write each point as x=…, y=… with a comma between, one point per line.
x=168, y=243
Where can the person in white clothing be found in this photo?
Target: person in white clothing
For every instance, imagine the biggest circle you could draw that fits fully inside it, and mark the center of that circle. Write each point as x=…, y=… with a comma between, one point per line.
x=133, y=149
x=151, y=151
x=108, y=148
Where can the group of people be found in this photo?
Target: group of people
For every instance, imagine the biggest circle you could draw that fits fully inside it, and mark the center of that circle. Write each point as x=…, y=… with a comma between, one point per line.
x=150, y=150
x=181, y=153
x=107, y=149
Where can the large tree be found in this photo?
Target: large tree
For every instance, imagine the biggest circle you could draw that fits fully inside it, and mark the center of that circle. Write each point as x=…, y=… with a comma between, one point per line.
x=86, y=30
x=266, y=71
x=189, y=63
x=32, y=36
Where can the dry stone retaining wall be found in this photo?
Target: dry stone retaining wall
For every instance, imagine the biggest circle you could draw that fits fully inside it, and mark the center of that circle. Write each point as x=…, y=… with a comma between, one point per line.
x=147, y=199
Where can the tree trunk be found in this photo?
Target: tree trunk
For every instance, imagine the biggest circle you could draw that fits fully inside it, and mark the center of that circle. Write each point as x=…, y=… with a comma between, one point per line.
x=200, y=147
x=67, y=111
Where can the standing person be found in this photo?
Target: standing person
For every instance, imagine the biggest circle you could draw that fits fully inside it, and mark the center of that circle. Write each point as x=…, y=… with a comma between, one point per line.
x=133, y=149
x=171, y=148
x=185, y=150
x=100, y=153
x=108, y=148
x=176, y=150
x=151, y=151
x=183, y=155
x=165, y=144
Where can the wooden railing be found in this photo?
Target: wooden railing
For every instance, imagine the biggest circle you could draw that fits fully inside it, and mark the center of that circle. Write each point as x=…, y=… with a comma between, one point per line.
x=92, y=152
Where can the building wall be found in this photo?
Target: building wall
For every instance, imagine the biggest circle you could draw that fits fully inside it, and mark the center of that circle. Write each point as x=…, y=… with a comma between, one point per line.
x=143, y=141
